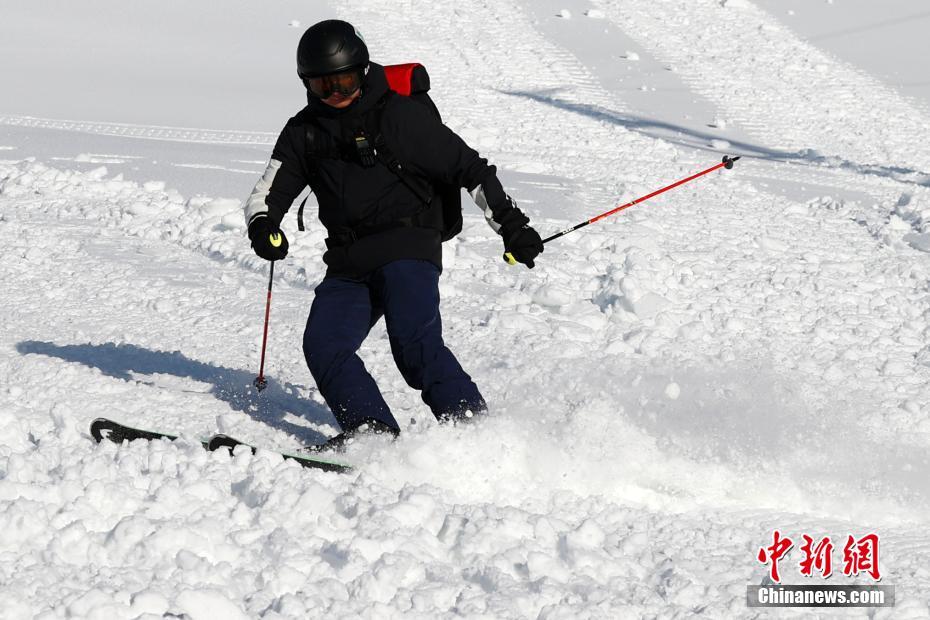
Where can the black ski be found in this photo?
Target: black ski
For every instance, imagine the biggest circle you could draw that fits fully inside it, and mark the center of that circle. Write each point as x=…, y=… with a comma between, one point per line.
x=102, y=428
x=315, y=462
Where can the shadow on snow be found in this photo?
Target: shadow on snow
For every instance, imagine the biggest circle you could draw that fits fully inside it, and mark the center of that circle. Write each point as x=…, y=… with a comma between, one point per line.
x=697, y=139
x=231, y=386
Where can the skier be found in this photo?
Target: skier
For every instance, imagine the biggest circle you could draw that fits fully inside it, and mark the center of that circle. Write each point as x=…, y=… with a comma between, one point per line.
x=384, y=252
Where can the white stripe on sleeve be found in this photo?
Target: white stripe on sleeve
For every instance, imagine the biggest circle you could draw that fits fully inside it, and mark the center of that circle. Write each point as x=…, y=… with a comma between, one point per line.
x=478, y=196
x=256, y=205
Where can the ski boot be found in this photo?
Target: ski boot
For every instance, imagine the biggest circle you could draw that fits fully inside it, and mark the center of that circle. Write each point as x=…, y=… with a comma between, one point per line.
x=368, y=427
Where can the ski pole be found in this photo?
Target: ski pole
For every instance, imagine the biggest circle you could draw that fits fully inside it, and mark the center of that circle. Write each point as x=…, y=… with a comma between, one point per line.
x=260, y=382
x=726, y=163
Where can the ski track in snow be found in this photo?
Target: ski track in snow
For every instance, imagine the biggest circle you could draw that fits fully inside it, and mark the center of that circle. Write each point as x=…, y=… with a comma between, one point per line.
x=790, y=94
x=665, y=385
x=147, y=132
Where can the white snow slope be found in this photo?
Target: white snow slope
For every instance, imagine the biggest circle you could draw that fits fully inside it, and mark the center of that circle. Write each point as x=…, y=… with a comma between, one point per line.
x=744, y=354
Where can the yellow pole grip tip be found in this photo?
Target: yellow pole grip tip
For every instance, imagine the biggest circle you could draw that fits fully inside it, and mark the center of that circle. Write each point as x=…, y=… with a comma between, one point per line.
x=275, y=239
x=509, y=259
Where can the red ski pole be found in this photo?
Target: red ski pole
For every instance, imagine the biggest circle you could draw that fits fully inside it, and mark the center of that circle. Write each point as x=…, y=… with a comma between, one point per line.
x=260, y=382
x=726, y=163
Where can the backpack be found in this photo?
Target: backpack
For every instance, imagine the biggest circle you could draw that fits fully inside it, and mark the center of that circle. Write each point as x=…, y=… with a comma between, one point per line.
x=408, y=80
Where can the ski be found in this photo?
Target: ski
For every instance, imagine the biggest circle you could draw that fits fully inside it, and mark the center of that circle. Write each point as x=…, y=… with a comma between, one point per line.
x=103, y=428
x=230, y=443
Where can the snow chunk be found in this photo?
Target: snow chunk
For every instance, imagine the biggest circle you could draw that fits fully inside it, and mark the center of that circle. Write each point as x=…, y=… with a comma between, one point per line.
x=220, y=207
x=918, y=241
x=149, y=602
x=734, y=325
x=577, y=544
x=96, y=603
x=834, y=373
x=773, y=245
x=648, y=305
x=228, y=423
x=552, y=295
x=594, y=14
x=208, y=604
x=97, y=173
x=796, y=209
x=673, y=391
x=618, y=347
x=141, y=207
x=893, y=368
x=631, y=55
x=565, y=14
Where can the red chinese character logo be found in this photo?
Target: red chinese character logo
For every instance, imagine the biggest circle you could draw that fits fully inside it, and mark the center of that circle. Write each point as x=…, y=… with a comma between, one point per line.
x=861, y=556
x=774, y=553
x=819, y=557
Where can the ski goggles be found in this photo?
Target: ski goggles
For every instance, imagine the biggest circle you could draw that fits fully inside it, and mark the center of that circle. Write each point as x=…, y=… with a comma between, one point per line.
x=326, y=86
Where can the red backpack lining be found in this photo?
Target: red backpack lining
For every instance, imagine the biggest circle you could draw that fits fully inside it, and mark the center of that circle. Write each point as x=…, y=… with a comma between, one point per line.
x=405, y=79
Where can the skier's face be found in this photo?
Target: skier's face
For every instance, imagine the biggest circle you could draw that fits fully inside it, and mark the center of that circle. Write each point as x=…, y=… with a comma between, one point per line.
x=339, y=101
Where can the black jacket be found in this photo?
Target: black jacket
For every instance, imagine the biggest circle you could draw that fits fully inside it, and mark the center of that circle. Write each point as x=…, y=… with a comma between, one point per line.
x=370, y=200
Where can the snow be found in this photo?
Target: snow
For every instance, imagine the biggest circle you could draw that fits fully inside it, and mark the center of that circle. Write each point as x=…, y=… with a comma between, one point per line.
x=745, y=353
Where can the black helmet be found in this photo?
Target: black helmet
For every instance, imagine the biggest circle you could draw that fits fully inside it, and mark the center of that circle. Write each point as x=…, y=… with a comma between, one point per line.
x=331, y=46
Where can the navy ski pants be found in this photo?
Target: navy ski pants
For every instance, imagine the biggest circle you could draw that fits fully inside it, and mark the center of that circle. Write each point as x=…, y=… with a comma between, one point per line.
x=406, y=293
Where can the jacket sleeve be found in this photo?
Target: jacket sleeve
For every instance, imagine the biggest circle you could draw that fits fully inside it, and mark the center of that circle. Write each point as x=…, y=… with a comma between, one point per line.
x=442, y=155
x=281, y=183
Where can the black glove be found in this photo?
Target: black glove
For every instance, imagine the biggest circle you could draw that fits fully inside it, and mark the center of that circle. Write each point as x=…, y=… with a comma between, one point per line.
x=520, y=239
x=268, y=240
